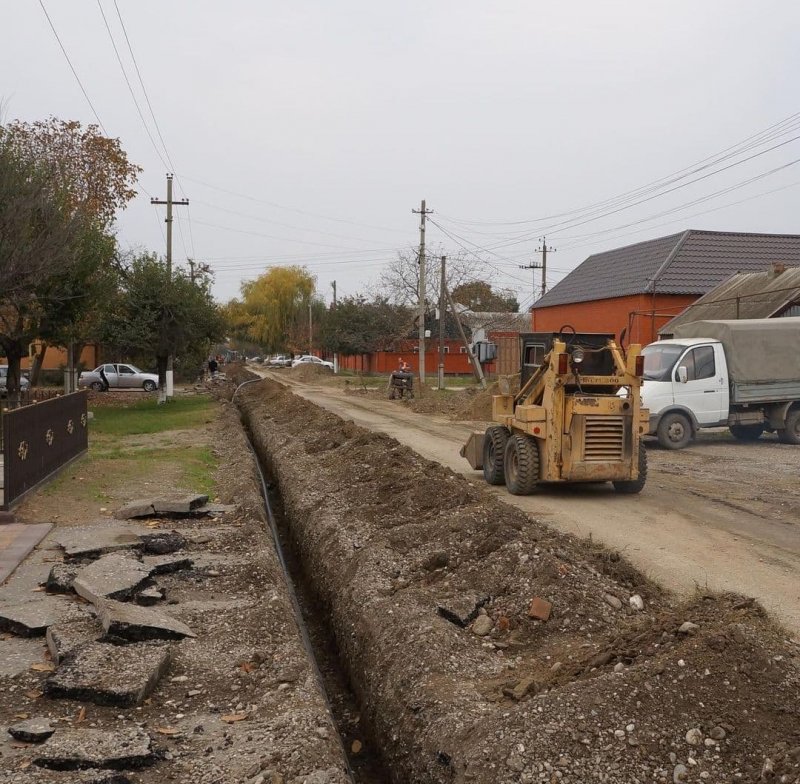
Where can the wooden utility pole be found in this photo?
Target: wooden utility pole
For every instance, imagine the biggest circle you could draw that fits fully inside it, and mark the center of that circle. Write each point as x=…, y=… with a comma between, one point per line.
x=442, y=314
x=476, y=366
x=423, y=212
x=170, y=388
x=335, y=354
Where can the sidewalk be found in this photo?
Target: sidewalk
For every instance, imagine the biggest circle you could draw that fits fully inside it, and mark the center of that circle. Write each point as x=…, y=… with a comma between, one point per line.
x=17, y=540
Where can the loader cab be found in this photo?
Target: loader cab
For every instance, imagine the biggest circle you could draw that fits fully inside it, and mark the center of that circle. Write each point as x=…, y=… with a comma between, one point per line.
x=535, y=346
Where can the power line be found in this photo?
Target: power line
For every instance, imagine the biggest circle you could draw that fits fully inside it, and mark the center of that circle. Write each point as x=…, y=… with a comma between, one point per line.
x=74, y=72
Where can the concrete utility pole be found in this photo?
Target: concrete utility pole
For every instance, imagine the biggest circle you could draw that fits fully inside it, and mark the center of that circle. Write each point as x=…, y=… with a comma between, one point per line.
x=442, y=314
x=310, y=327
x=544, y=250
x=170, y=390
x=335, y=354
x=423, y=212
x=202, y=269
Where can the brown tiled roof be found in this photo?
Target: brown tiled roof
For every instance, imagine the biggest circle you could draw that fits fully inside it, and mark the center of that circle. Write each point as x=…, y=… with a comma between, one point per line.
x=746, y=295
x=689, y=263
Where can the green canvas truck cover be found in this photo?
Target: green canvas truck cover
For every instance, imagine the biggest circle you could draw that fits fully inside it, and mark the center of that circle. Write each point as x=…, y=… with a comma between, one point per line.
x=758, y=351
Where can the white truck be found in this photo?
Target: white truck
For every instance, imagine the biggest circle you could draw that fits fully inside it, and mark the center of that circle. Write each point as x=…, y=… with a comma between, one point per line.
x=744, y=374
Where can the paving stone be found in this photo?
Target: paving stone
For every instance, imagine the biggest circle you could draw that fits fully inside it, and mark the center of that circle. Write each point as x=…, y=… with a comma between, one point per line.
x=131, y=622
x=65, y=638
x=166, y=564
x=163, y=542
x=61, y=578
x=114, y=576
x=78, y=749
x=94, y=541
x=179, y=505
x=31, y=730
x=461, y=610
x=31, y=618
x=142, y=507
x=121, y=675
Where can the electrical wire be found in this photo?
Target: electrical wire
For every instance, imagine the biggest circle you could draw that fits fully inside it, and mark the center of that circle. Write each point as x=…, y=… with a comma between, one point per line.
x=72, y=68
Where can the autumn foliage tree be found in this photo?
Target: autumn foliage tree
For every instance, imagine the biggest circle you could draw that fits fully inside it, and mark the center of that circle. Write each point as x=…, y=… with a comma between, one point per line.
x=61, y=187
x=273, y=309
x=481, y=297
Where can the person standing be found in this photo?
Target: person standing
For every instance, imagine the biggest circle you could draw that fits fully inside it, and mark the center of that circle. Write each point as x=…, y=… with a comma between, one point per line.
x=212, y=367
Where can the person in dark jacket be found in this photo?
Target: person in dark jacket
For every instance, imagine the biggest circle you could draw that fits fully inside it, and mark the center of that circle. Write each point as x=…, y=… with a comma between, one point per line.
x=212, y=367
x=104, y=379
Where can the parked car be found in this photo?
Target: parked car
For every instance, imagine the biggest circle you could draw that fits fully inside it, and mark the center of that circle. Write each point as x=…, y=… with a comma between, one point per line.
x=24, y=383
x=119, y=377
x=308, y=359
x=280, y=360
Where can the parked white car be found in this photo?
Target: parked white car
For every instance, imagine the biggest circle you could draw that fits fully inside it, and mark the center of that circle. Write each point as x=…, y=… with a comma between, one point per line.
x=24, y=383
x=308, y=359
x=119, y=377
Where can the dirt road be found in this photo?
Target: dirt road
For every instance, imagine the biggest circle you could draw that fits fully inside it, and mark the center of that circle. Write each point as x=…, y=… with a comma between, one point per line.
x=719, y=515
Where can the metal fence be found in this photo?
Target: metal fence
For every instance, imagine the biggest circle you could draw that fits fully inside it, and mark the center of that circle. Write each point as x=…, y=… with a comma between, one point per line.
x=40, y=438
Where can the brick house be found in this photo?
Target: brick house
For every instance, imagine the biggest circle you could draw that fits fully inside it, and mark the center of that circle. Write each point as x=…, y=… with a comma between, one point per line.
x=641, y=287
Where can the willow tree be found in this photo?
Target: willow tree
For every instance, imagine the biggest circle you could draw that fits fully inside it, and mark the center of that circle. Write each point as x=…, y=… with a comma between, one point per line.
x=273, y=310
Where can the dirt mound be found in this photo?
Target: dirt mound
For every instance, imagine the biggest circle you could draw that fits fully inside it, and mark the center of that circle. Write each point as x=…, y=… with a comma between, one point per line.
x=309, y=372
x=429, y=582
x=479, y=407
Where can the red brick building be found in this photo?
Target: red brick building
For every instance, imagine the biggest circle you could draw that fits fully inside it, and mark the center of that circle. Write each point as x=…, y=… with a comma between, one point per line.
x=641, y=287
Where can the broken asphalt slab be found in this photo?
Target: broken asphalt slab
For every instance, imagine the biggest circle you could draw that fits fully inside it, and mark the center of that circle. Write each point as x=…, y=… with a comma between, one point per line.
x=120, y=675
x=31, y=730
x=181, y=505
x=462, y=609
x=114, y=576
x=78, y=749
x=163, y=542
x=65, y=638
x=166, y=564
x=131, y=622
x=94, y=541
x=32, y=618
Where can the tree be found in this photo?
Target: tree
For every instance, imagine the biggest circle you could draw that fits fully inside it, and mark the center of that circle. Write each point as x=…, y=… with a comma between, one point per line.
x=155, y=314
x=41, y=238
x=85, y=177
x=399, y=282
x=273, y=310
x=360, y=326
x=481, y=297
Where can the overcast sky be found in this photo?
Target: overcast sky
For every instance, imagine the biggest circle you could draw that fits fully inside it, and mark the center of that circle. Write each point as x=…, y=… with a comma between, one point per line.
x=305, y=132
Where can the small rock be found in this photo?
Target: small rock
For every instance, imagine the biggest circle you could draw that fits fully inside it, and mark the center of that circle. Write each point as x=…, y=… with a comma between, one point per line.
x=688, y=628
x=482, y=626
x=679, y=774
x=163, y=542
x=710, y=742
x=619, y=667
x=31, y=731
x=718, y=733
x=636, y=602
x=694, y=737
x=60, y=578
x=612, y=601
x=526, y=686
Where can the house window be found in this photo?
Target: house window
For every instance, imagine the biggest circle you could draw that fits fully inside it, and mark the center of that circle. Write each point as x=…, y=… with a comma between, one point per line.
x=462, y=350
x=447, y=349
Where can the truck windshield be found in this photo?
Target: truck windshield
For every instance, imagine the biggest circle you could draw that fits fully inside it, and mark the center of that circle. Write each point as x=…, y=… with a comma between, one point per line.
x=659, y=359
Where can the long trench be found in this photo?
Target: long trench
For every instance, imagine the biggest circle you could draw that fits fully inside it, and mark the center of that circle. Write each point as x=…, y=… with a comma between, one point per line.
x=364, y=761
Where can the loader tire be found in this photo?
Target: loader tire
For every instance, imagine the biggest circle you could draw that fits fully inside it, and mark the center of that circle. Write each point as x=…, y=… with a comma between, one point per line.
x=522, y=464
x=791, y=433
x=494, y=449
x=634, y=486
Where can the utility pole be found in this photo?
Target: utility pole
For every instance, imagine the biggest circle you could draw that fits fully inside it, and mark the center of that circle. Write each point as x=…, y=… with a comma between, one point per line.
x=423, y=212
x=476, y=366
x=543, y=266
x=335, y=354
x=310, y=328
x=202, y=269
x=442, y=314
x=170, y=389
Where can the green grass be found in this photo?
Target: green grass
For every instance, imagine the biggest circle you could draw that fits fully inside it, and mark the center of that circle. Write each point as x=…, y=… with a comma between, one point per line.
x=147, y=416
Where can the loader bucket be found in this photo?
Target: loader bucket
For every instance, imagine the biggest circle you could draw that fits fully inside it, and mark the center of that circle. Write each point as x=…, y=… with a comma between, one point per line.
x=473, y=450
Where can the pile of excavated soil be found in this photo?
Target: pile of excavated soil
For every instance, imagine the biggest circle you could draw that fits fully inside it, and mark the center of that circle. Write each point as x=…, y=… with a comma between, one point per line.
x=309, y=372
x=621, y=683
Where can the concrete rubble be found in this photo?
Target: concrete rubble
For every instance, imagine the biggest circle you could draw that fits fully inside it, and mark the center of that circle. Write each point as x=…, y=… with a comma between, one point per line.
x=31, y=618
x=162, y=542
x=61, y=577
x=78, y=749
x=462, y=609
x=122, y=675
x=131, y=622
x=31, y=730
x=182, y=505
x=65, y=638
x=92, y=542
x=114, y=576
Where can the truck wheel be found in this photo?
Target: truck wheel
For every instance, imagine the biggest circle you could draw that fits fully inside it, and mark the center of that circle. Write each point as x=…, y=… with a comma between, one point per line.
x=747, y=432
x=633, y=486
x=674, y=431
x=791, y=433
x=494, y=449
x=522, y=464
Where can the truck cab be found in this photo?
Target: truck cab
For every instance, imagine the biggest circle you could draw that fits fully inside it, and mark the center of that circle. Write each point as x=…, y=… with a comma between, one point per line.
x=685, y=387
